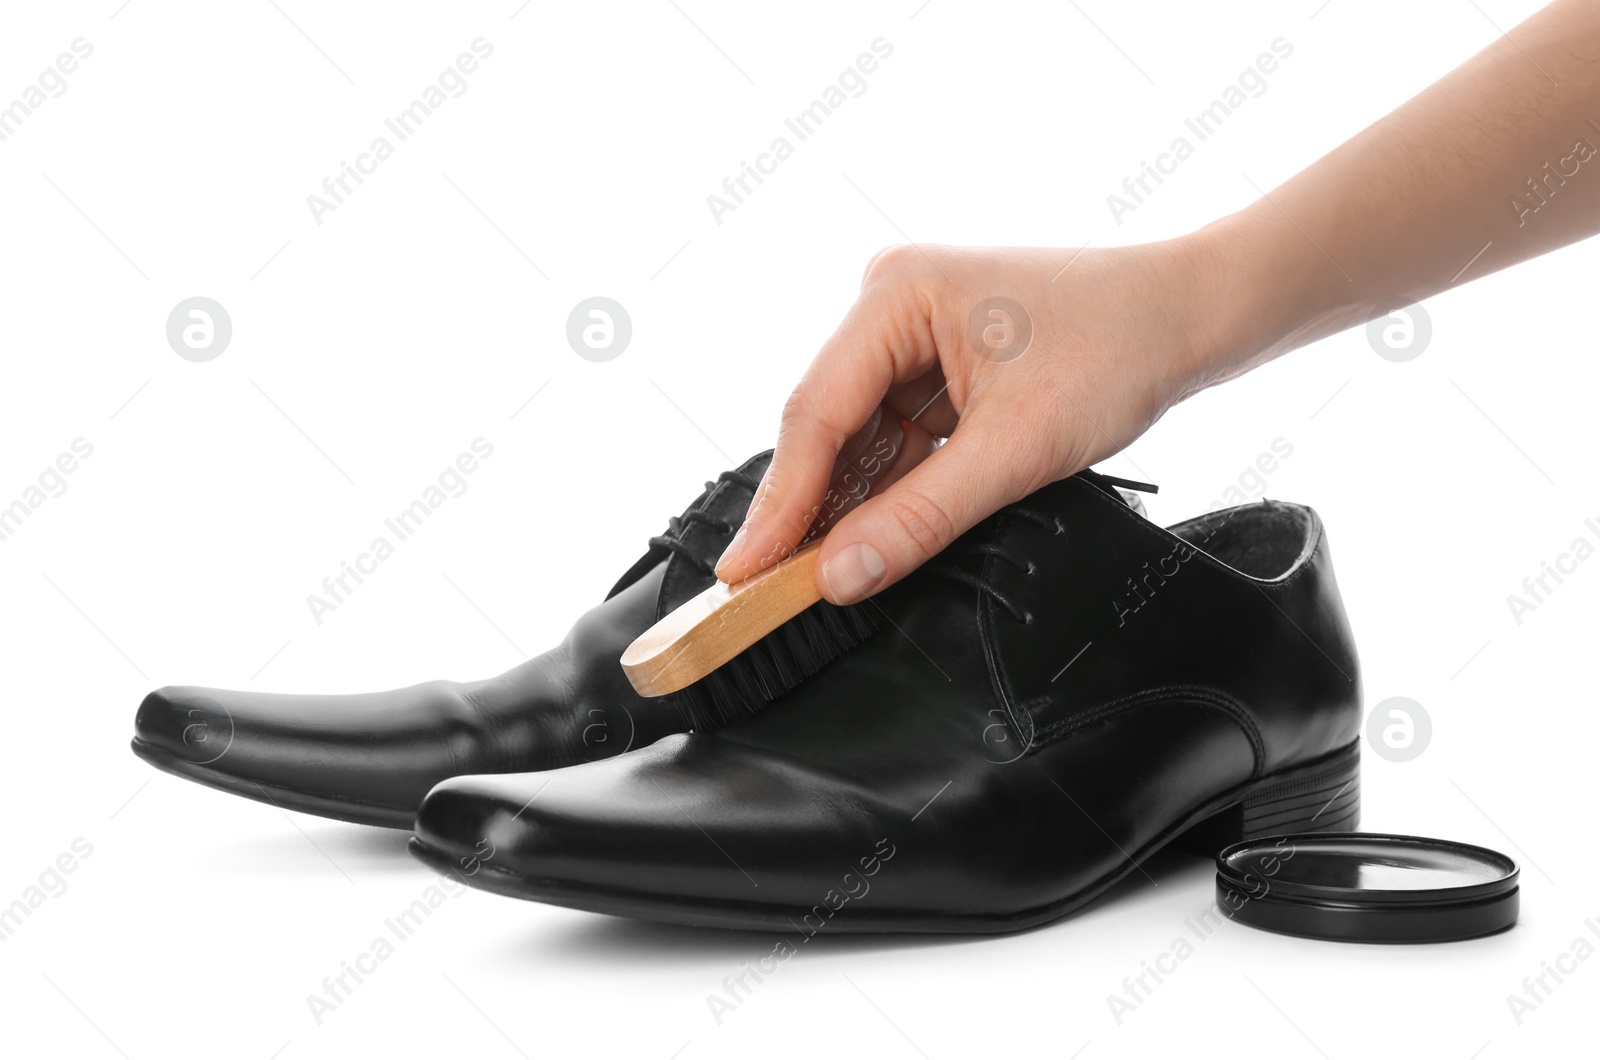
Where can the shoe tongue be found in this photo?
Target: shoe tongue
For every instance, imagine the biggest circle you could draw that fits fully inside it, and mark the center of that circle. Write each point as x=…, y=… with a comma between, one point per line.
x=703, y=539
x=725, y=501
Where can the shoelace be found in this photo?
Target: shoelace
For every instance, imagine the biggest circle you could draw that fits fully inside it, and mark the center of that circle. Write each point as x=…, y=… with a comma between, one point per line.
x=1013, y=607
x=677, y=525
x=946, y=564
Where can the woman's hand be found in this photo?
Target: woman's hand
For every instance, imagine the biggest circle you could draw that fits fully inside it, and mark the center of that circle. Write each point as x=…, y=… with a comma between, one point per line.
x=1038, y=363
x=1034, y=363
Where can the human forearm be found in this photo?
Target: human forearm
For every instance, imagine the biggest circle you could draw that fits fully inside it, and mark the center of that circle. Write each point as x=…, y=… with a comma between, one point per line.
x=1496, y=163
x=1036, y=363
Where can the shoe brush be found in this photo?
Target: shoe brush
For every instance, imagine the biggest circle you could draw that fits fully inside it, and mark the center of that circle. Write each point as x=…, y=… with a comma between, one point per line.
x=729, y=651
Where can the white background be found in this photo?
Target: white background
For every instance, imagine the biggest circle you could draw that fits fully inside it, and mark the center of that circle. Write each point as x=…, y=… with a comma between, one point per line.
x=423, y=313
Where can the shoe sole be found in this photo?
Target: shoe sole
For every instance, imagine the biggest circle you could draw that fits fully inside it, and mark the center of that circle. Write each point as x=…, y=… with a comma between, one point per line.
x=1323, y=795
x=322, y=805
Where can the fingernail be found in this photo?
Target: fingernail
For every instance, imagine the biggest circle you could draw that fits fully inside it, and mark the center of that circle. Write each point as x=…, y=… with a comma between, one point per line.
x=731, y=553
x=853, y=572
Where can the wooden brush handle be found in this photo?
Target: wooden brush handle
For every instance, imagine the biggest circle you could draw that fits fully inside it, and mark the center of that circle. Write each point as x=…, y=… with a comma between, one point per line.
x=721, y=622
x=715, y=627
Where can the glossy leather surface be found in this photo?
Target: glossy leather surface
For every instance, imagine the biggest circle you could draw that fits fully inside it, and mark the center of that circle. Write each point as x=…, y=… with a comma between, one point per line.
x=1013, y=746
x=372, y=757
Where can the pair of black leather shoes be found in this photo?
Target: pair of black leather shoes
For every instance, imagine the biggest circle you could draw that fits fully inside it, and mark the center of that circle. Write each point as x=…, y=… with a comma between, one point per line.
x=1059, y=695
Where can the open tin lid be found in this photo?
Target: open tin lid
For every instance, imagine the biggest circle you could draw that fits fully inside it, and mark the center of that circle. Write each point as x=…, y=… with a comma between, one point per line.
x=1366, y=887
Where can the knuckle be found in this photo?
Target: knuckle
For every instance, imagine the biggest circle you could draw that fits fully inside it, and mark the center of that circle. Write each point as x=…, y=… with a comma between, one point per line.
x=894, y=260
x=806, y=420
x=795, y=406
x=920, y=520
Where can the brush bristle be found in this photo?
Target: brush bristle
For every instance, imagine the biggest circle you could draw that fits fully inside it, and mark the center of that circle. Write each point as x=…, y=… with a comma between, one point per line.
x=775, y=664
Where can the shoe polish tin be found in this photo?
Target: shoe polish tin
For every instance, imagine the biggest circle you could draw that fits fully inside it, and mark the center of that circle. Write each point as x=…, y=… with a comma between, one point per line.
x=1367, y=887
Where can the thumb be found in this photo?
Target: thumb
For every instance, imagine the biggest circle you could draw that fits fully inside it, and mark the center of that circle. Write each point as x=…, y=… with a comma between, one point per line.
x=965, y=481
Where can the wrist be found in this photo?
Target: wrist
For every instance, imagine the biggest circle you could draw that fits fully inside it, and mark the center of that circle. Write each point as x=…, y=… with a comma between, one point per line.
x=1261, y=291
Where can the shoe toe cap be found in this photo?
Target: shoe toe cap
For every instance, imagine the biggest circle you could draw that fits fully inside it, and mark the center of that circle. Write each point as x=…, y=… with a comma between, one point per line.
x=488, y=818
x=185, y=722
x=368, y=757
x=672, y=820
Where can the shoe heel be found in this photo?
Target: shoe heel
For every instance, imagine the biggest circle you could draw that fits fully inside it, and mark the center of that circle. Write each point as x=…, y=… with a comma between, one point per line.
x=1320, y=796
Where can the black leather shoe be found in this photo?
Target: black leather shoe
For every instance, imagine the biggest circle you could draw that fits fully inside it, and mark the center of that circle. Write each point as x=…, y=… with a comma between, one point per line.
x=370, y=758
x=1065, y=691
